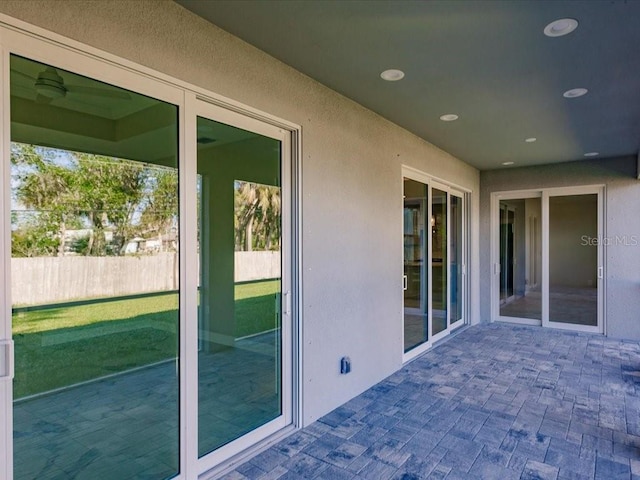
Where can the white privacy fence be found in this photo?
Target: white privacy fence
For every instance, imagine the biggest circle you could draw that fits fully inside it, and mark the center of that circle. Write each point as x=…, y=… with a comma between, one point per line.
x=42, y=280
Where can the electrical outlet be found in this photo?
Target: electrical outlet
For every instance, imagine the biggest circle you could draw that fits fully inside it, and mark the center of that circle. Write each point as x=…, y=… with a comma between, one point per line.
x=345, y=365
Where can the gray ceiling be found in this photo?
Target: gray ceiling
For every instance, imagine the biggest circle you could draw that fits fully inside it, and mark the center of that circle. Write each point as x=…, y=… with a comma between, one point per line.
x=486, y=61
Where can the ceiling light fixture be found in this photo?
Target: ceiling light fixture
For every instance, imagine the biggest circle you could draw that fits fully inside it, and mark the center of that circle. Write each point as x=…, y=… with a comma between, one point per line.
x=591, y=154
x=449, y=117
x=392, y=75
x=530, y=140
x=508, y=163
x=560, y=27
x=575, y=93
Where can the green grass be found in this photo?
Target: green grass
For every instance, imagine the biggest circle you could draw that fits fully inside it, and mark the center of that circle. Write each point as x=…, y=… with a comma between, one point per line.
x=65, y=345
x=256, y=307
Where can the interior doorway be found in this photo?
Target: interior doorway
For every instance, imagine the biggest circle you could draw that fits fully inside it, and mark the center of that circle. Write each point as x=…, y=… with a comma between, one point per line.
x=549, y=258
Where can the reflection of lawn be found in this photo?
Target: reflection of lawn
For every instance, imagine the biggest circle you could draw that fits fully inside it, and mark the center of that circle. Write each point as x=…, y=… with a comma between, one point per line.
x=255, y=307
x=65, y=345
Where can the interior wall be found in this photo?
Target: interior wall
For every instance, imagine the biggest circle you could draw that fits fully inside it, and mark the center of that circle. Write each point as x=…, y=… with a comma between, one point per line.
x=621, y=236
x=573, y=264
x=351, y=179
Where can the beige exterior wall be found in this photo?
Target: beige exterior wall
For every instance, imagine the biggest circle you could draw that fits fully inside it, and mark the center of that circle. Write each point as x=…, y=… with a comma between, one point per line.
x=351, y=179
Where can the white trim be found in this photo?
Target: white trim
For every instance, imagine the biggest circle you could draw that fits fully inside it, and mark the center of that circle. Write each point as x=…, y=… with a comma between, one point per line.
x=545, y=258
x=463, y=258
x=416, y=351
x=544, y=194
x=296, y=273
x=224, y=453
x=26, y=40
x=259, y=447
x=423, y=177
x=464, y=195
x=574, y=327
x=6, y=387
x=189, y=266
x=520, y=321
x=447, y=264
x=598, y=190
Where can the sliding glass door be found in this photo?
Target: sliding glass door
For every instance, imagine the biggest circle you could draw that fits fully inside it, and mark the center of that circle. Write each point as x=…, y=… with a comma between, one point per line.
x=549, y=250
x=416, y=276
x=457, y=256
x=242, y=367
x=147, y=280
x=439, y=261
x=574, y=272
x=95, y=243
x=520, y=242
x=434, y=254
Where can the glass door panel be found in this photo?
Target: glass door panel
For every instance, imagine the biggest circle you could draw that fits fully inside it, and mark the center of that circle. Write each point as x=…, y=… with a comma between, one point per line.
x=456, y=259
x=573, y=259
x=95, y=278
x=240, y=336
x=439, y=267
x=521, y=258
x=416, y=303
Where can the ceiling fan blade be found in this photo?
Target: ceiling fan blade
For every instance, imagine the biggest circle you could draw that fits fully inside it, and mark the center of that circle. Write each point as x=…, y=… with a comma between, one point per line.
x=23, y=75
x=98, y=92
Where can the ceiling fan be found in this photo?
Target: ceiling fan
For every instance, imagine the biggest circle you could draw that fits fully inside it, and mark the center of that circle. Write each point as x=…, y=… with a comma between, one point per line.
x=49, y=85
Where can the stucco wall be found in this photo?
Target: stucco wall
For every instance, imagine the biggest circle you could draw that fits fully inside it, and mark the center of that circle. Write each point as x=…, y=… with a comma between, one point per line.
x=622, y=204
x=351, y=179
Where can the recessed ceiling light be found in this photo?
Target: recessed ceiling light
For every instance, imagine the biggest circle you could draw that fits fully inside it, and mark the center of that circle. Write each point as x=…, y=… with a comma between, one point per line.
x=530, y=140
x=449, y=117
x=560, y=27
x=575, y=92
x=507, y=163
x=392, y=75
x=591, y=154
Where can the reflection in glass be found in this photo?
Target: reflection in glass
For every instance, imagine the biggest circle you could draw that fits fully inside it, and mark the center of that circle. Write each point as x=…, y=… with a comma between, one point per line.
x=239, y=361
x=457, y=259
x=573, y=262
x=415, y=271
x=439, y=260
x=521, y=258
x=95, y=248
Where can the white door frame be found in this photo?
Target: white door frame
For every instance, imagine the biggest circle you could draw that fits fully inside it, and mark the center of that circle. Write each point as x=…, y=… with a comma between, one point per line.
x=544, y=194
x=418, y=350
x=213, y=112
x=463, y=194
x=601, y=270
x=463, y=260
x=20, y=38
x=6, y=343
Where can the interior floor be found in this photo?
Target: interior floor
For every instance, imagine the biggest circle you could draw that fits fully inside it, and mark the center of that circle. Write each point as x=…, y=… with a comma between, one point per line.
x=576, y=306
x=126, y=426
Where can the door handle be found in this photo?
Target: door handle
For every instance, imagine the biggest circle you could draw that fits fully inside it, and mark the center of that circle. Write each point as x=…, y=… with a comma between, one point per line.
x=496, y=268
x=405, y=282
x=287, y=303
x=600, y=272
x=7, y=370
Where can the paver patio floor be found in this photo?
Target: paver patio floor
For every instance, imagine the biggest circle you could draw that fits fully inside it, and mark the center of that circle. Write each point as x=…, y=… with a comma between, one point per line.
x=496, y=402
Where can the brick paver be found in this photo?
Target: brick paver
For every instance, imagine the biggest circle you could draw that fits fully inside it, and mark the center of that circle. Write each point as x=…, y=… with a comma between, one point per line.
x=494, y=402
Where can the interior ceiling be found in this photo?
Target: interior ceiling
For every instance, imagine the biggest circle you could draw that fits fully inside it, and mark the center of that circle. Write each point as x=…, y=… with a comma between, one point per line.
x=102, y=118
x=486, y=61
